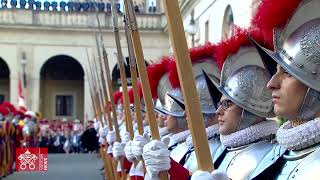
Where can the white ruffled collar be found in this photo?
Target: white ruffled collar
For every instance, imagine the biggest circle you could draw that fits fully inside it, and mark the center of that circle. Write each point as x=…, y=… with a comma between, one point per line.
x=249, y=134
x=179, y=137
x=163, y=131
x=299, y=137
x=211, y=132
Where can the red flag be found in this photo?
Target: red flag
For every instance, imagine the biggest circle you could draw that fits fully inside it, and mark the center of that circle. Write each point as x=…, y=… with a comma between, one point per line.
x=20, y=89
x=21, y=101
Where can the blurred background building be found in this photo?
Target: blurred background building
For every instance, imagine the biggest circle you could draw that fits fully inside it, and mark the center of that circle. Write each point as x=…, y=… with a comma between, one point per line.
x=44, y=44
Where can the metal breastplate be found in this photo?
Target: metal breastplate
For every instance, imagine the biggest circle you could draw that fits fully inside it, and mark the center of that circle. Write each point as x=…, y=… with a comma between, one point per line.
x=240, y=162
x=179, y=151
x=269, y=160
x=303, y=164
x=191, y=163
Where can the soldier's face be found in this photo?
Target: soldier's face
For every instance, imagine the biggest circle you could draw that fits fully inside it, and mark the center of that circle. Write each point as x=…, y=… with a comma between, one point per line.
x=160, y=119
x=229, y=116
x=171, y=123
x=287, y=94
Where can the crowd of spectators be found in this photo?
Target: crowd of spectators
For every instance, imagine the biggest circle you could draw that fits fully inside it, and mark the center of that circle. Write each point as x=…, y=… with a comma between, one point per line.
x=63, y=136
x=141, y=8
x=86, y=6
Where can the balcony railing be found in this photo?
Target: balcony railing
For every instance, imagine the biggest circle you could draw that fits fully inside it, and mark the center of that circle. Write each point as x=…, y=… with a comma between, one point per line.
x=84, y=20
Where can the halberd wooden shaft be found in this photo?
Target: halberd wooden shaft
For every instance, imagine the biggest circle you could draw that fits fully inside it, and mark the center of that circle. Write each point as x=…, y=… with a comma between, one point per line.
x=106, y=159
x=103, y=82
x=139, y=57
x=105, y=100
x=103, y=93
x=105, y=76
x=188, y=86
x=134, y=78
x=122, y=72
x=105, y=68
x=136, y=41
x=96, y=92
x=105, y=65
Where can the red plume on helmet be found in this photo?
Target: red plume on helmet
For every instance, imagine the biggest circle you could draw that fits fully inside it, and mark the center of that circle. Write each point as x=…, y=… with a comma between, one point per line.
x=156, y=71
x=10, y=107
x=232, y=45
x=3, y=110
x=117, y=96
x=273, y=14
x=197, y=55
x=131, y=97
x=130, y=93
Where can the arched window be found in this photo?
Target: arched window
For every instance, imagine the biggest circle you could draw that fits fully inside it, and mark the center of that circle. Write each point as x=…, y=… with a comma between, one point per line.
x=228, y=23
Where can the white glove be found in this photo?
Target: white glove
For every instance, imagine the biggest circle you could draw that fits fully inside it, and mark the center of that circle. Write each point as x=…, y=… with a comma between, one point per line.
x=214, y=175
x=96, y=125
x=139, y=169
x=109, y=150
x=137, y=144
x=219, y=175
x=128, y=152
x=111, y=137
x=118, y=150
x=102, y=141
x=132, y=169
x=105, y=130
x=156, y=157
x=125, y=137
x=101, y=133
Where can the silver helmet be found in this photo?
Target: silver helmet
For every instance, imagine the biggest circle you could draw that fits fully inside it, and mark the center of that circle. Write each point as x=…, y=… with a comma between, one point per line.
x=169, y=106
x=28, y=128
x=208, y=106
x=297, y=50
x=244, y=80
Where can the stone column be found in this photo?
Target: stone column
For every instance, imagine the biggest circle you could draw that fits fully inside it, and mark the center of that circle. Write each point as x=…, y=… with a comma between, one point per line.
x=35, y=94
x=14, y=88
x=88, y=107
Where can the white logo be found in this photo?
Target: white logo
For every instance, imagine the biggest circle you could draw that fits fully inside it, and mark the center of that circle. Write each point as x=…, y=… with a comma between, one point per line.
x=27, y=159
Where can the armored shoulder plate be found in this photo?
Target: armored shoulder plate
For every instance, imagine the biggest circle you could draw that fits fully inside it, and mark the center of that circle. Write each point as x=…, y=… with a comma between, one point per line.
x=191, y=163
x=271, y=158
x=247, y=158
x=179, y=151
x=302, y=166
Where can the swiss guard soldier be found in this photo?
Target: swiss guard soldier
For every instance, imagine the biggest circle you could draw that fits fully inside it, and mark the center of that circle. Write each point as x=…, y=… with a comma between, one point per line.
x=201, y=58
x=295, y=86
x=244, y=130
x=178, y=126
x=161, y=117
x=9, y=131
x=30, y=129
x=245, y=133
x=124, y=148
